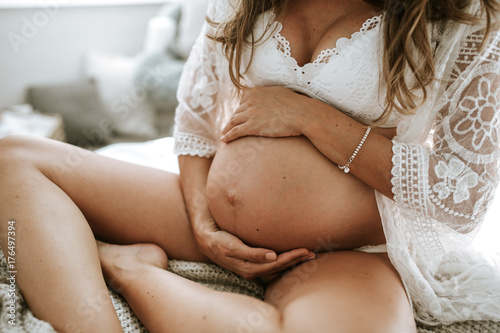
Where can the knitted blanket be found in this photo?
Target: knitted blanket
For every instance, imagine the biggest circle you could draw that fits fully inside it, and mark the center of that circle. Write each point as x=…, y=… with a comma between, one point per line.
x=16, y=317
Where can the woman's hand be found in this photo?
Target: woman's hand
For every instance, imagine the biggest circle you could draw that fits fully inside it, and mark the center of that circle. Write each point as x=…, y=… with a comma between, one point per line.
x=230, y=252
x=267, y=111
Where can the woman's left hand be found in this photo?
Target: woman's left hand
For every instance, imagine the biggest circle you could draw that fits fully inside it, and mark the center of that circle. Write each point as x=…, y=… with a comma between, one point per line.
x=266, y=111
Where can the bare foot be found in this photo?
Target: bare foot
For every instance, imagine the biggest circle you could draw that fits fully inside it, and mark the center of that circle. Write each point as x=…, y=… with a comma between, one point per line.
x=121, y=263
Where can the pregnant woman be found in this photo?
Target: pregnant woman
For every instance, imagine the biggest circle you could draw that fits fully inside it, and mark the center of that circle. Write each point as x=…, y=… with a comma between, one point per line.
x=344, y=151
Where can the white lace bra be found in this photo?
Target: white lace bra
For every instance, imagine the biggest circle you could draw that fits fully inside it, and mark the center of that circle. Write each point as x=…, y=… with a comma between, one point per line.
x=346, y=77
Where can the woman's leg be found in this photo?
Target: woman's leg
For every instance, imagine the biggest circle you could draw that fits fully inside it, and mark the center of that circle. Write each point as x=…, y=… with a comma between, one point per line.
x=345, y=291
x=337, y=292
x=60, y=196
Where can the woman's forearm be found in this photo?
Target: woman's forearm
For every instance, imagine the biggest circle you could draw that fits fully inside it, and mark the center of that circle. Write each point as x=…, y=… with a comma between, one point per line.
x=281, y=112
x=193, y=177
x=337, y=136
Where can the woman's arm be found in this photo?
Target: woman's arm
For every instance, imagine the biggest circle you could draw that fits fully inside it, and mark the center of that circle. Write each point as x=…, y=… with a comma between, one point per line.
x=337, y=136
x=280, y=112
x=193, y=176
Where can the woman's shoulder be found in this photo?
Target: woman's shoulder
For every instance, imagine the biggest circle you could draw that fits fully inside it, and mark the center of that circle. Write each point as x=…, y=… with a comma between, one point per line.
x=218, y=10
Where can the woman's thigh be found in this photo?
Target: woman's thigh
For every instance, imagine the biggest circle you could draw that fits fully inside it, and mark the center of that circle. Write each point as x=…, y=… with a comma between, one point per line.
x=124, y=203
x=346, y=291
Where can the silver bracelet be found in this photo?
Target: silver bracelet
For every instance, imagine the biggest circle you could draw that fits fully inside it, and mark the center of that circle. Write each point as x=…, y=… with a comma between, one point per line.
x=346, y=167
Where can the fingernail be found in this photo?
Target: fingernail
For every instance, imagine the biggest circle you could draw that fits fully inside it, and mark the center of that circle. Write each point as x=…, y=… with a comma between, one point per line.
x=270, y=256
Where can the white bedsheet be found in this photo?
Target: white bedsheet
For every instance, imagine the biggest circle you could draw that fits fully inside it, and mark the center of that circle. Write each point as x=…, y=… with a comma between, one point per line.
x=156, y=153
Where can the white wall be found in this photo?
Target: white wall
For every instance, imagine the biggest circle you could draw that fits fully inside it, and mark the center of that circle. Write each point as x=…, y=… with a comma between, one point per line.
x=47, y=45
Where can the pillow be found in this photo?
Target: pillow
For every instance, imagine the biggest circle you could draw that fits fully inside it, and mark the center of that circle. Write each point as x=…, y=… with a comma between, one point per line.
x=123, y=101
x=85, y=122
x=161, y=66
x=193, y=14
x=160, y=34
x=162, y=72
x=162, y=29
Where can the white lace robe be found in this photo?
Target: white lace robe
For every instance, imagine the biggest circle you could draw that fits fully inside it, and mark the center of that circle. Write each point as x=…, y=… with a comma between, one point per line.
x=446, y=156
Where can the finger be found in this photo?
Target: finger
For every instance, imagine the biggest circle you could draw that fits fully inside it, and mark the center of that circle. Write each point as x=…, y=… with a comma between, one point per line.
x=238, y=117
x=233, y=134
x=250, y=270
x=246, y=269
x=287, y=260
x=252, y=254
x=272, y=262
x=230, y=124
x=284, y=261
x=294, y=254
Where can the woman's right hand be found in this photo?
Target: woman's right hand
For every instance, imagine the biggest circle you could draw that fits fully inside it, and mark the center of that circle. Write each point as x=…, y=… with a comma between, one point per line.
x=230, y=252
x=220, y=246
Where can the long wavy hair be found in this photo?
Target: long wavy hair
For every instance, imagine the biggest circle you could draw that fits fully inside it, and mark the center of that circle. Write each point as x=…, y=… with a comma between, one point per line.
x=406, y=41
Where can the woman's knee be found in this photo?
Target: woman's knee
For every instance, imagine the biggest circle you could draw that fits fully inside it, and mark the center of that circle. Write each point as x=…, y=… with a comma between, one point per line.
x=16, y=150
x=51, y=157
x=14, y=144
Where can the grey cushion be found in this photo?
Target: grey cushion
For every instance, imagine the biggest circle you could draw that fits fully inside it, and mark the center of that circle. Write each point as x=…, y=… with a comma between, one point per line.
x=85, y=121
x=162, y=72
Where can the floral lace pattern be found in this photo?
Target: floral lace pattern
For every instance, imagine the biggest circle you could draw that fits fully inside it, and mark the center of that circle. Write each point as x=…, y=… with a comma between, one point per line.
x=479, y=111
x=199, y=113
x=457, y=179
x=444, y=183
x=202, y=94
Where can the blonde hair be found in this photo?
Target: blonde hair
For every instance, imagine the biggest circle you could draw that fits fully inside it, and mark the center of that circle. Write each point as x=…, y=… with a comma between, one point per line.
x=406, y=42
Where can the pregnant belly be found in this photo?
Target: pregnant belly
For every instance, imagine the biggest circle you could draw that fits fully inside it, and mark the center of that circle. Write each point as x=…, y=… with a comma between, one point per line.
x=282, y=193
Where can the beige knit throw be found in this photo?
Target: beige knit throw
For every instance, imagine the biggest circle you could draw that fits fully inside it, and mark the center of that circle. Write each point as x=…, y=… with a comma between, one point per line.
x=211, y=276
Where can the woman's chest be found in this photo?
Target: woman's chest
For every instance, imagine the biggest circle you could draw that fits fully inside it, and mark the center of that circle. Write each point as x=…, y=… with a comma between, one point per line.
x=346, y=76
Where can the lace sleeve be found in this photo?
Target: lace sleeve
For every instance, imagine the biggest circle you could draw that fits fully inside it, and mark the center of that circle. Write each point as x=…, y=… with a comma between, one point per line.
x=452, y=181
x=198, y=115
